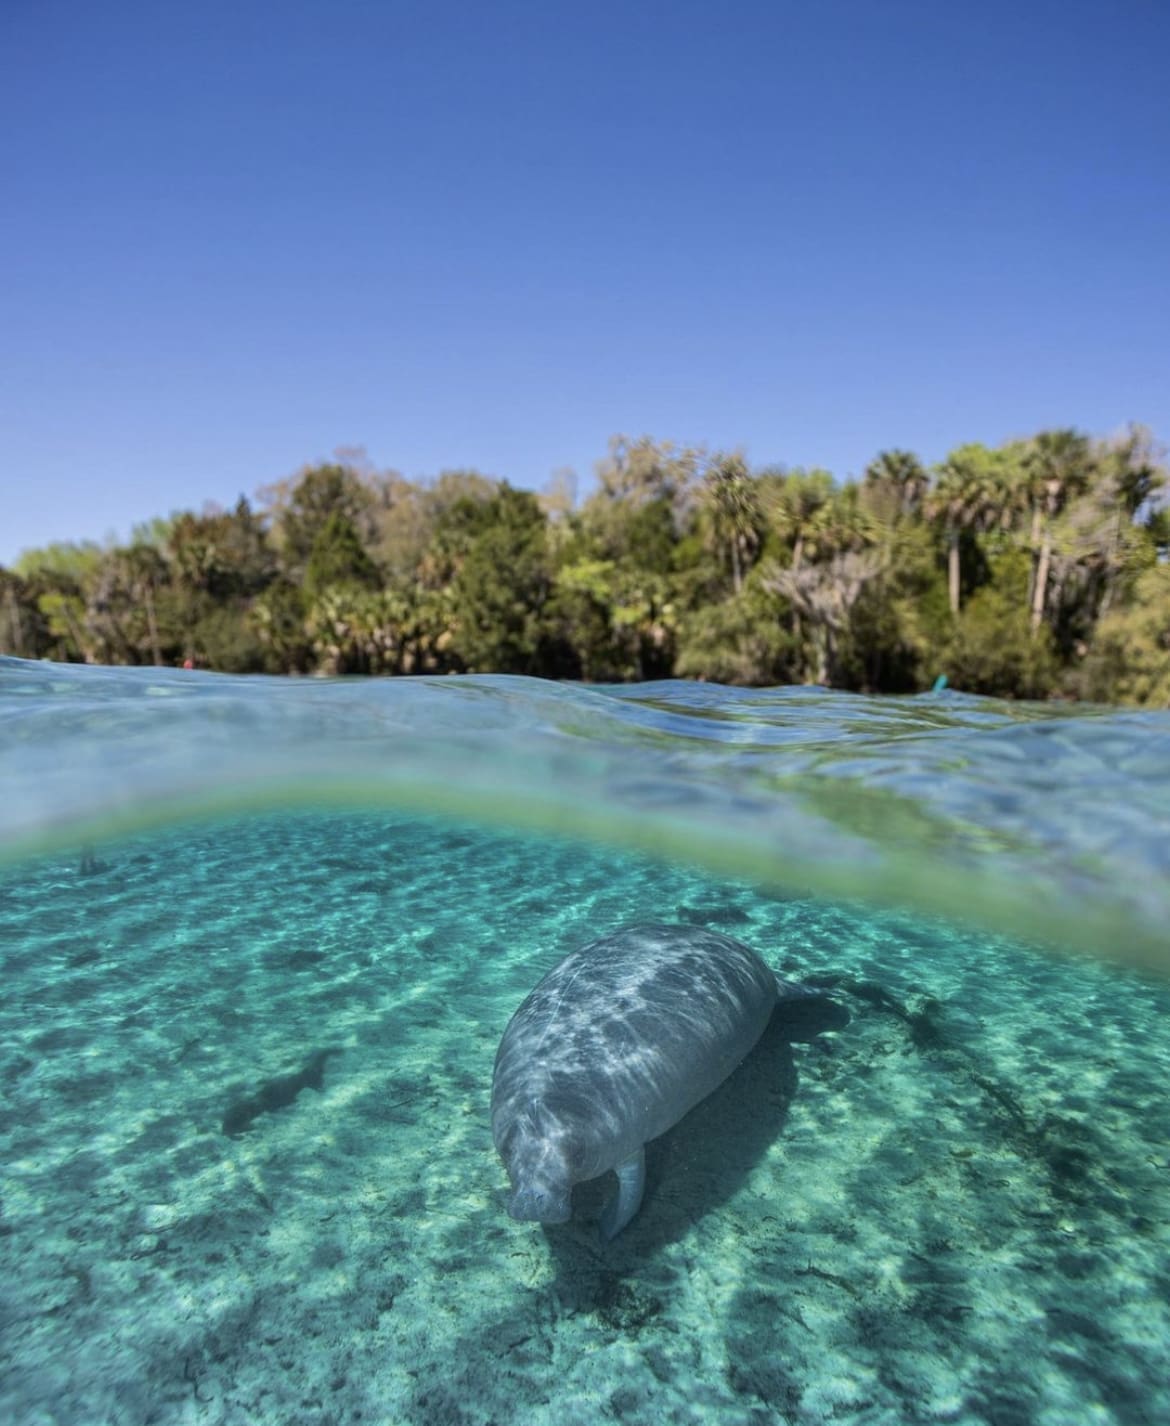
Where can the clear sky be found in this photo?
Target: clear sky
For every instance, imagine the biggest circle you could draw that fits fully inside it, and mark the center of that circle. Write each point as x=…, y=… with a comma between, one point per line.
x=235, y=236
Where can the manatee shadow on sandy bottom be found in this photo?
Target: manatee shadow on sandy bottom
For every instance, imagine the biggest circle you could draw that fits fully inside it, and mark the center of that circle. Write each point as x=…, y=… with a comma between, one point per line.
x=277, y=1093
x=703, y=1161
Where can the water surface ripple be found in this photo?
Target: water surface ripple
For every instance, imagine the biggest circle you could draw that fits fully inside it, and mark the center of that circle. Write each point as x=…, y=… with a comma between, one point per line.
x=1050, y=821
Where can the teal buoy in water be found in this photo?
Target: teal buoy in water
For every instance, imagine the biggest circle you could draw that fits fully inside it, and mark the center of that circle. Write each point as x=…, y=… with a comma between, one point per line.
x=940, y=683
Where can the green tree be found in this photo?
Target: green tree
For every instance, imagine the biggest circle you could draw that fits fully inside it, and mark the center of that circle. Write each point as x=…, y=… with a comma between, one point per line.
x=1050, y=576
x=1129, y=473
x=995, y=650
x=222, y=554
x=356, y=630
x=901, y=624
x=733, y=514
x=407, y=517
x=220, y=562
x=278, y=618
x=121, y=605
x=63, y=610
x=582, y=643
x=300, y=509
x=144, y=572
x=339, y=558
x=23, y=630
x=71, y=561
x=792, y=502
x=972, y=493
x=501, y=582
x=1058, y=466
x=895, y=484
x=1129, y=660
x=57, y=578
x=739, y=640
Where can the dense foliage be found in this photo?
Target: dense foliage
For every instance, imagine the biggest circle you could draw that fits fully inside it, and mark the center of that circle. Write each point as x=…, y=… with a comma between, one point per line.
x=1034, y=569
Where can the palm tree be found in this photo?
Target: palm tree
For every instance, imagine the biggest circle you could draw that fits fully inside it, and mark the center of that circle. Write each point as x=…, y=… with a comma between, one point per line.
x=1130, y=471
x=842, y=523
x=897, y=478
x=971, y=493
x=794, y=506
x=1059, y=466
x=733, y=510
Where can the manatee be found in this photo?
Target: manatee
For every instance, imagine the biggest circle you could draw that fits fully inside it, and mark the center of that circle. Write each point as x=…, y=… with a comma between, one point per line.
x=610, y=1049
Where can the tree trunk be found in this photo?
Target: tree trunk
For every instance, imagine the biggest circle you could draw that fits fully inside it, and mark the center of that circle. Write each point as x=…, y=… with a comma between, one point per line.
x=953, y=569
x=736, y=572
x=822, y=648
x=152, y=624
x=1111, y=571
x=15, y=632
x=77, y=633
x=1041, y=587
x=1034, y=541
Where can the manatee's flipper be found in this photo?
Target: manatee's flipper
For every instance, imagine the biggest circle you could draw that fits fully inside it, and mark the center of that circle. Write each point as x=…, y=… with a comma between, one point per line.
x=794, y=990
x=631, y=1176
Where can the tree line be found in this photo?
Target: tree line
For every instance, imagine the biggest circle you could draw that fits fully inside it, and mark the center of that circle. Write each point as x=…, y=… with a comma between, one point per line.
x=1033, y=569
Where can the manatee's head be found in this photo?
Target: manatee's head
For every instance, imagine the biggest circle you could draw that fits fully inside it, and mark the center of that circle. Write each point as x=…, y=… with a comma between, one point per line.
x=537, y=1166
x=540, y=1203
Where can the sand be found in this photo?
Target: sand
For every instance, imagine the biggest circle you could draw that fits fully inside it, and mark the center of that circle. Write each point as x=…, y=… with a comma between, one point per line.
x=943, y=1195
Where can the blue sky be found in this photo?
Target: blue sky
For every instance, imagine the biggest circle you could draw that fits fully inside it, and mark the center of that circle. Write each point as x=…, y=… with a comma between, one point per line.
x=235, y=236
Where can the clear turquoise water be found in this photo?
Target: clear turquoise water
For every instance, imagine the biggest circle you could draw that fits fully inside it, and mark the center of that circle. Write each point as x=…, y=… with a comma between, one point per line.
x=945, y=1196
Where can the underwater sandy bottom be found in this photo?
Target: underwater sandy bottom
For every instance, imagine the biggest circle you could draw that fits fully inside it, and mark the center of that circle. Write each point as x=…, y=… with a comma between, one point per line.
x=951, y=1206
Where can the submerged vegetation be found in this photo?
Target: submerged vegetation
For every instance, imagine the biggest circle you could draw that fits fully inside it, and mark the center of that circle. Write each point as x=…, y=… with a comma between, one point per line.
x=1033, y=569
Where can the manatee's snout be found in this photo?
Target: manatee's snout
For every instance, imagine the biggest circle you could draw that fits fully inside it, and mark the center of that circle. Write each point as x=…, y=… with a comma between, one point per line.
x=539, y=1205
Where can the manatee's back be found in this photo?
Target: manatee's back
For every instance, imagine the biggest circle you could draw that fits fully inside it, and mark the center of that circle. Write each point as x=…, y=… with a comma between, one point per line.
x=626, y=1035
